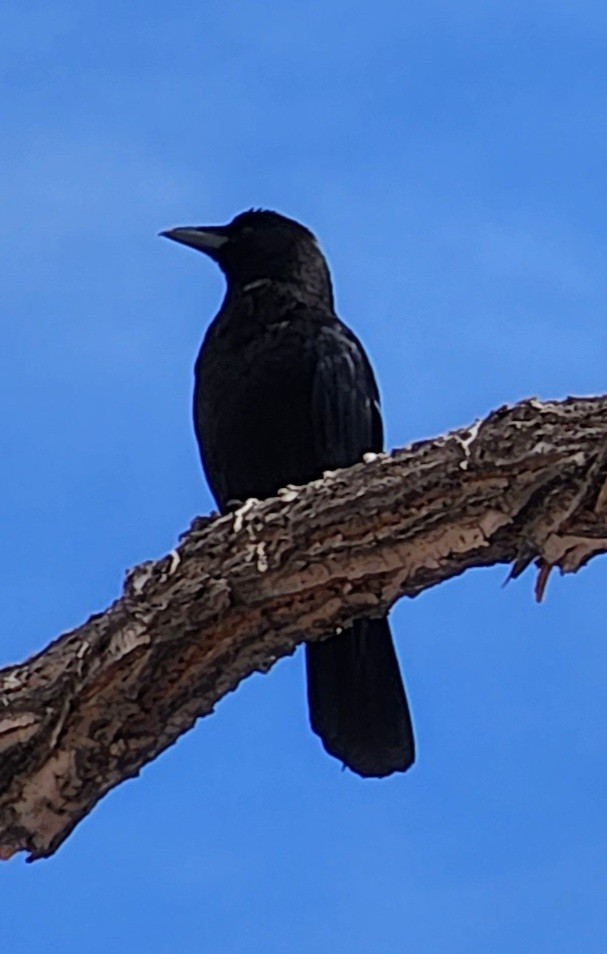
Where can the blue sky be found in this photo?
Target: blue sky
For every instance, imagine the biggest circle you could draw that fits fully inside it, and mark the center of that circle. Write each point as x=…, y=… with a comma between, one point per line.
x=451, y=157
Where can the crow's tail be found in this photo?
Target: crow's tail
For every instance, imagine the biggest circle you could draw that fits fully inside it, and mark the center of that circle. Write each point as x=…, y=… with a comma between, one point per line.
x=357, y=700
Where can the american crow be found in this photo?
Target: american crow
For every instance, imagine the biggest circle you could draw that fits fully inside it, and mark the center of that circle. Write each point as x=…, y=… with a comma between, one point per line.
x=283, y=392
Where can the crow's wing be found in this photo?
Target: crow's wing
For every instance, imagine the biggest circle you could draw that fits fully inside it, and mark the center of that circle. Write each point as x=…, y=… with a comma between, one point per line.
x=346, y=416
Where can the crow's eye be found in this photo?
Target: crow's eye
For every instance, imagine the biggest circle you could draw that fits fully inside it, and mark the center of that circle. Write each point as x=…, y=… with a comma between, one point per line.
x=247, y=230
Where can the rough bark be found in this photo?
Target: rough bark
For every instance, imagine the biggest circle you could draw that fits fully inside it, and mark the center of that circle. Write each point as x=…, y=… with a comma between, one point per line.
x=243, y=590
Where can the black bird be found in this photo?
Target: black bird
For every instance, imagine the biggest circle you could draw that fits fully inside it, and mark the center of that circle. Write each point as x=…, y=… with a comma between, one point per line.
x=283, y=392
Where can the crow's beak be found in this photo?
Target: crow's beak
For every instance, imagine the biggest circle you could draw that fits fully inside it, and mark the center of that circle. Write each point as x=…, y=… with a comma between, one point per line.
x=207, y=239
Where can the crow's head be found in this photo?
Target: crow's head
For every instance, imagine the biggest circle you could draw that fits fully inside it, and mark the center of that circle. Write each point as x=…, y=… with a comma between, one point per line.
x=255, y=245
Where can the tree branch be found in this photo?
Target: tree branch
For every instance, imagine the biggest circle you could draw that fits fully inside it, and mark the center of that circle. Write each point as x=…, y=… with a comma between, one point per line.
x=243, y=590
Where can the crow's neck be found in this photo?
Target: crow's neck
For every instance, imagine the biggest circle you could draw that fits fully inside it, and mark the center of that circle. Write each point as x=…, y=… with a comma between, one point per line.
x=306, y=283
